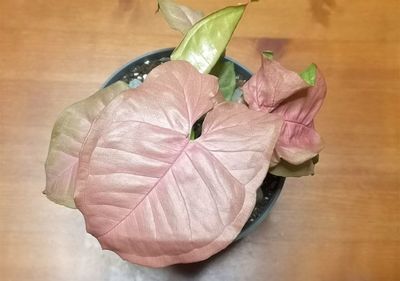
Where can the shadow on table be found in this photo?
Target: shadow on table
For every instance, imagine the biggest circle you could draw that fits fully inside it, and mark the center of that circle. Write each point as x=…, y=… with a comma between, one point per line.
x=321, y=10
x=191, y=270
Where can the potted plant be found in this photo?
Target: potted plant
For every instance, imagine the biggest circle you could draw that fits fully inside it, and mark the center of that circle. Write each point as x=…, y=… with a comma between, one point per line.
x=166, y=160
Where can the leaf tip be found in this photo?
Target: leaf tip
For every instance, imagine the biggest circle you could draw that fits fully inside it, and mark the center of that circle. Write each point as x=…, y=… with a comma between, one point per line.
x=309, y=75
x=268, y=54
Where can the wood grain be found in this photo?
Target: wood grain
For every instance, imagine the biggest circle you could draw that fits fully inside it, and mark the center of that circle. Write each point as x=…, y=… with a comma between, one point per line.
x=342, y=224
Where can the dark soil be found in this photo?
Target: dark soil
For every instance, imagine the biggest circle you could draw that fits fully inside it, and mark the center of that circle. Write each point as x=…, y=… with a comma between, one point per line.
x=140, y=72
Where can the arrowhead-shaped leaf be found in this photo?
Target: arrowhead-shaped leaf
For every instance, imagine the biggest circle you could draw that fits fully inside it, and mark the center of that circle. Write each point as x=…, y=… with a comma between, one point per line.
x=206, y=40
x=278, y=90
x=67, y=137
x=154, y=196
x=179, y=17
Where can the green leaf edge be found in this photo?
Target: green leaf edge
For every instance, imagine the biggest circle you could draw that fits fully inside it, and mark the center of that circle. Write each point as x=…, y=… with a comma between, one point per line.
x=268, y=54
x=309, y=75
x=178, y=50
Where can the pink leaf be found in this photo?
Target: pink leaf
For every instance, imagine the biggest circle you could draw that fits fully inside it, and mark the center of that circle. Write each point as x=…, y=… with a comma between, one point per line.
x=67, y=137
x=283, y=92
x=271, y=85
x=157, y=198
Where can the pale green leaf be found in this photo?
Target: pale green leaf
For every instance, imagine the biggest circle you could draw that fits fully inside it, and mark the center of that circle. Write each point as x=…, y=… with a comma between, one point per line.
x=206, y=40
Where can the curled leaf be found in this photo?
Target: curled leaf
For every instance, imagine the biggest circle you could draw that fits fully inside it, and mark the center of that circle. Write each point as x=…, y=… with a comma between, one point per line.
x=271, y=85
x=153, y=195
x=67, y=137
x=285, y=169
x=179, y=17
x=299, y=141
x=277, y=90
x=268, y=54
x=206, y=40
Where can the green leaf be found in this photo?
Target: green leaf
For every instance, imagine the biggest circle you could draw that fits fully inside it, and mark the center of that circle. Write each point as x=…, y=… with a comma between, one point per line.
x=285, y=169
x=192, y=134
x=206, y=40
x=309, y=75
x=179, y=17
x=225, y=71
x=268, y=54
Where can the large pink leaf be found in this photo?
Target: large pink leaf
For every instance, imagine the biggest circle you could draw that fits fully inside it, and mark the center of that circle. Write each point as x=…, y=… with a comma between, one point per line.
x=67, y=137
x=154, y=196
x=277, y=90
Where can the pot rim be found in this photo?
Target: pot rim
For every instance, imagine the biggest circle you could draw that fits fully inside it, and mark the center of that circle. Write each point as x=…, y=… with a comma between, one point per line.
x=155, y=52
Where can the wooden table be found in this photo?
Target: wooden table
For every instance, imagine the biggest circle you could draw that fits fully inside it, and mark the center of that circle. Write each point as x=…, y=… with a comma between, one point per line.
x=342, y=224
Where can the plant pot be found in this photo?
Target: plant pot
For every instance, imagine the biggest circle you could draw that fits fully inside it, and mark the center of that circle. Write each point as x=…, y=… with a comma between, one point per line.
x=271, y=186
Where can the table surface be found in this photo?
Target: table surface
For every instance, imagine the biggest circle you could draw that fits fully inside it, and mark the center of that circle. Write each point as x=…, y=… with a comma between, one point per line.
x=341, y=224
